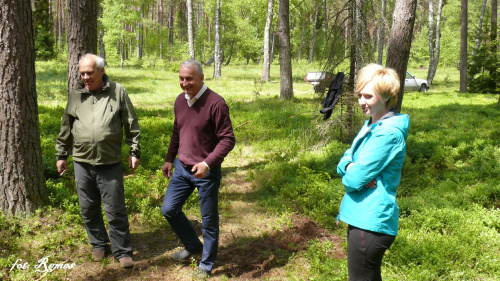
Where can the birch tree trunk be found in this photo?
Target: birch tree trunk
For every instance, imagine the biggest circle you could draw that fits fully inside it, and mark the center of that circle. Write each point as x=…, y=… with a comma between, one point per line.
x=286, y=82
x=189, y=4
x=434, y=43
x=217, y=49
x=398, y=48
x=22, y=183
x=266, y=76
x=463, y=47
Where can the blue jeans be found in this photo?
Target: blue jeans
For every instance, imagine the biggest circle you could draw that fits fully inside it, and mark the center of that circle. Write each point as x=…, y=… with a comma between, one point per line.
x=181, y=186
x=105, y=182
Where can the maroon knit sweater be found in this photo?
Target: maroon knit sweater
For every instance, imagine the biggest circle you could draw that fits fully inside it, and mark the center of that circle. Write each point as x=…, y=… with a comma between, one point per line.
x=202, y=132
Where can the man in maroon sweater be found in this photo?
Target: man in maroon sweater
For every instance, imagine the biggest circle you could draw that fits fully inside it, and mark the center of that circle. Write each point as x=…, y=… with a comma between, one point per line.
x=202, y=136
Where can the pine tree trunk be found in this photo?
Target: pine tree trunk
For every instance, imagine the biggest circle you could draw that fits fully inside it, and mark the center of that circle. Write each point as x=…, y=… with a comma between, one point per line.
x=102, y=47
x=82, y=36
x=381, y=34
x=398, y=48
x=217, y=55
x=22, y=183
x=140, y=35
x=463, y=47
x=286, y=82
x=266, y=76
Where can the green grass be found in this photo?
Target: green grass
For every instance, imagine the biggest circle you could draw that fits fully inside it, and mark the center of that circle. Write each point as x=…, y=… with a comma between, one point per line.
x=449, y=195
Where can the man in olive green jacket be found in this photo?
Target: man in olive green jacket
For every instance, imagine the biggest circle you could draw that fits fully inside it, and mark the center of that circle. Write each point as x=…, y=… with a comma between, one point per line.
x=92, y=131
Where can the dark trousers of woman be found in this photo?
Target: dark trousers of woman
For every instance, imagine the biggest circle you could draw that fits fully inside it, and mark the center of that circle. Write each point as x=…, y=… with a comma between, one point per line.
x=365, y=250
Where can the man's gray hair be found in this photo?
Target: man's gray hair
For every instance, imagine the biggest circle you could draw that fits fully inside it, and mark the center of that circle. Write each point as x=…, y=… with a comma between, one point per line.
x=99, y=62
x=192, y=62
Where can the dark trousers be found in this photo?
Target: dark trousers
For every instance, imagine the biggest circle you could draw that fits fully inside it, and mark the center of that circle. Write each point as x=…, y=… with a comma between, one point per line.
x=365, y=250
x=181, y=186
x=105, y=182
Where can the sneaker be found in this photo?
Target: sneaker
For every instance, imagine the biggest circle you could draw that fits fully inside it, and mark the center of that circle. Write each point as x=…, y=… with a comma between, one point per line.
x=201, y=274
x=183, y=255
x=98, y=254
x=126, y=262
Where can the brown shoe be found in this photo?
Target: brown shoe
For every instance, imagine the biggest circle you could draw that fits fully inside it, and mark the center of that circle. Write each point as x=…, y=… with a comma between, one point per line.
x=126, y=262
x=98, y=254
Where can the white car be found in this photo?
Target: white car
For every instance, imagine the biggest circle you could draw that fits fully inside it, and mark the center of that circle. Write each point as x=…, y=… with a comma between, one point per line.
x=415, y=84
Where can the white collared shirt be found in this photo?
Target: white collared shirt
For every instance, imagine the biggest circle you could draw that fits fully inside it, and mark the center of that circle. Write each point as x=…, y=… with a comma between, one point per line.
x=191, y=101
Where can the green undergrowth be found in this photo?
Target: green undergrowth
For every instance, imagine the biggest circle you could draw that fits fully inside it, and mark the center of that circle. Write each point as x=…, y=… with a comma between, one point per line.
x=449, y=195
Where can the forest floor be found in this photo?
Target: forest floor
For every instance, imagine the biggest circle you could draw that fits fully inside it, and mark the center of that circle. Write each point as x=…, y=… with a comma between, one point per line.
x=255, y=243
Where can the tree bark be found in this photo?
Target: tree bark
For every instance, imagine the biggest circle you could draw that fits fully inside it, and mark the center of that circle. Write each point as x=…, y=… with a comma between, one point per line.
x=190, y=28
x=434, y=43
x=286, y=82
x=381, y=34
x=266, y=71
x=463, y=47
x=398, y=48
x=82, y=36
x=217, y=49
x=22, y=183
x=102, y=47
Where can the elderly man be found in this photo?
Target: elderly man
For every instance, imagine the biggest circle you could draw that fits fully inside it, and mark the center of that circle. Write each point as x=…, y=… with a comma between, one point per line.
x=92, y=131
x=202, y=136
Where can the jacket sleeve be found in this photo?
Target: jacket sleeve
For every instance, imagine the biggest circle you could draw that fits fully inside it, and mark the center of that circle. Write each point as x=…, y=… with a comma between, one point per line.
x=131, y=126
x=64, y=142
x=373, y=158
x=224, y=133
x=344, y=161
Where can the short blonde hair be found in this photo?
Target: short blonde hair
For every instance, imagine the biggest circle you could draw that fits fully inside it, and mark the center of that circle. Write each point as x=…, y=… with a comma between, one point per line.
x=386, y=82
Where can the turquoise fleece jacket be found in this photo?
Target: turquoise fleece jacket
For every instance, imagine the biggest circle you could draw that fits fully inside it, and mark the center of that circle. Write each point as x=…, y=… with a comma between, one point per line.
x=378, y=152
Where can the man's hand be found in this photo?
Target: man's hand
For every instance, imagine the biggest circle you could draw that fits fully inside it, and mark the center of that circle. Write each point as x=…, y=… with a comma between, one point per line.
x=167, y=169
x=62, y=166
x=200, y=170
x=133, y=162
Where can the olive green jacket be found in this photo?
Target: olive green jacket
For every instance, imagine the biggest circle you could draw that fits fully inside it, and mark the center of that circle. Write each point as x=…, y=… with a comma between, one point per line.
x=93, y=124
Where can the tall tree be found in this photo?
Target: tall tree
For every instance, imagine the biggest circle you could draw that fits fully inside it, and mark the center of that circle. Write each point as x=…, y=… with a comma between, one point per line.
x=479, y=30
x=22, y=184
x=494, y=45
x=398, y=48
x=102, y=46
x=286, y=82
x=463, y=47
x=140, y=33
x=189, y=4
x=266, y=76
x=82, y=35
x=217, y=48
x=381, y=32
x=313, y=39
x=434, y=43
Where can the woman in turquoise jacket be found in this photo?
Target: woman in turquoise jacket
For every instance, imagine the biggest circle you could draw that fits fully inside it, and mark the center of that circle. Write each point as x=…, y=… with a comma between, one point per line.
x=371, y=172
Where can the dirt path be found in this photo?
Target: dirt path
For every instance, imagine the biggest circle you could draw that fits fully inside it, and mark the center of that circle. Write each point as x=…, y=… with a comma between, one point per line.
x=254, y=244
